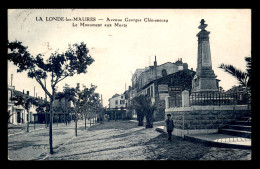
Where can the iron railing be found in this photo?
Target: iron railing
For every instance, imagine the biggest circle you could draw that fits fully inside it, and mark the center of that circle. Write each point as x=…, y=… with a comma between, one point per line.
x=217, y=98
x=175, y=101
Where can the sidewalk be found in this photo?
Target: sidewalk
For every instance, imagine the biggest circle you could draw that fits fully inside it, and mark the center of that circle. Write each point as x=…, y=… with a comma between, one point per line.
x=22, y=128
x=216, y=139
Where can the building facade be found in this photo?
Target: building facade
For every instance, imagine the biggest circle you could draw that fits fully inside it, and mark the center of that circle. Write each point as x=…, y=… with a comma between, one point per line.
x=117, y=102
x=155, y=81
x=16, y=113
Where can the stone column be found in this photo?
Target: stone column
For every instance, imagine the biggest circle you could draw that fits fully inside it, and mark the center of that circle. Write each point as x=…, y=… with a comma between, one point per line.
x=185, y=99
x=167, y=102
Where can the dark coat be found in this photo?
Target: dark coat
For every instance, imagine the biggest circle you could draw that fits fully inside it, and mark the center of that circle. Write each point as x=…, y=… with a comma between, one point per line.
x=169, y=124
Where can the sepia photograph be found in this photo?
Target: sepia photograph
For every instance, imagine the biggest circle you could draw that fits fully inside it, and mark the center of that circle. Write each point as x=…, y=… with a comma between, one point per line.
x=129, y=84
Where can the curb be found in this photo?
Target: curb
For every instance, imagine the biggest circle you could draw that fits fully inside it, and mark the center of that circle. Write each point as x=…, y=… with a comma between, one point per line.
x=216, y=144
x=209, y=143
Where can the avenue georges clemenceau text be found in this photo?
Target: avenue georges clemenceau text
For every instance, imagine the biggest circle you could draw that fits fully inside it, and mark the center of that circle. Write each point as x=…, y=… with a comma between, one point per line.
x=91, y=21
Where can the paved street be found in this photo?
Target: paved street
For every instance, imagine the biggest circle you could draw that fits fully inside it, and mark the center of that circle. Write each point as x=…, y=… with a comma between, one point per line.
x=120, y=140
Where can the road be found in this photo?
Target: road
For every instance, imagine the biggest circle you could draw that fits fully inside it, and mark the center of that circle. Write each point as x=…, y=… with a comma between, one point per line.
x=120, y=140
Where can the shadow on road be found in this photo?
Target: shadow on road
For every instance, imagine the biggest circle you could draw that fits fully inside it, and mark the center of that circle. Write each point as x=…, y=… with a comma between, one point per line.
x=120, y=125
x=178, y=149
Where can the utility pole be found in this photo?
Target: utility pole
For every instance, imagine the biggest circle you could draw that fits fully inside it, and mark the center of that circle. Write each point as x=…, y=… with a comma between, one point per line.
x=11, y=79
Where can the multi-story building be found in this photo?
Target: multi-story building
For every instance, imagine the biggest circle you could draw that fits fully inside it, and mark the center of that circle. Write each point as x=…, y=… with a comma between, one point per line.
x=142, y=77
x=62, y=110
x=155, y=81
x=12, y=117
x=17, y=114
x=117, y=102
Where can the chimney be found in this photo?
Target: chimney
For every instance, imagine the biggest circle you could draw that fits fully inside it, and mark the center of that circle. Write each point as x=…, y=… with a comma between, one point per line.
x=23, y=91
x=155, y=62
x=27, y=93
x=191, y=69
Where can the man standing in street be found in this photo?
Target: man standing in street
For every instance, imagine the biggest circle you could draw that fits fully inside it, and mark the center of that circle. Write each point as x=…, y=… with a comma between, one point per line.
x=169, y=126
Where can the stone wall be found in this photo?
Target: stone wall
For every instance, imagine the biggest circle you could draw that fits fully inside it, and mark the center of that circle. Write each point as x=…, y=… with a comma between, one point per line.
x=204, y=120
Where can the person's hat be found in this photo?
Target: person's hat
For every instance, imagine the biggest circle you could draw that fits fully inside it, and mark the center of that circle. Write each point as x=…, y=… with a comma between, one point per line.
x=168, y=114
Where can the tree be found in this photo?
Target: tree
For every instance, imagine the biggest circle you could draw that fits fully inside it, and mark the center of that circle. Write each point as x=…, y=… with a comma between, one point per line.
x=144, y=108
x=86, y=102
x=221, y=89
x=150, y=108
x=90, y=103
x=243, y=77
x=136, y=104
x=59, y=66
x=67, y=95
x=26, y=102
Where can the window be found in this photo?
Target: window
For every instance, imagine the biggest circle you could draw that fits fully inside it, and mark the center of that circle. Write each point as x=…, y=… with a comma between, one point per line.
x=151, y=91
x=9, y=95
x=116, y=101
x=148, y=91
x=122, y=101
x=122, y=97
x=164, y=72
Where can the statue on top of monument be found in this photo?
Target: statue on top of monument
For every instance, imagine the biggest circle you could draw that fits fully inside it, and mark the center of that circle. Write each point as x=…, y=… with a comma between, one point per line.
x=202, y=26
x=202, y=21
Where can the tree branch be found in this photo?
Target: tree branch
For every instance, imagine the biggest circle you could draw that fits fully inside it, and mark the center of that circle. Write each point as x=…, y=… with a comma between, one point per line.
x=40, y=82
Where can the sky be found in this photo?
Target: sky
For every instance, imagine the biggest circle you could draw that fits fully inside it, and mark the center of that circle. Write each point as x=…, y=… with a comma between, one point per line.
x=119, y=51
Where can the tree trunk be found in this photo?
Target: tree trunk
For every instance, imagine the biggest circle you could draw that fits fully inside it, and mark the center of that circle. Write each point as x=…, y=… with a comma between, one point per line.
x=76, y=122
x=27, y=121
x=51, y=121
x=66, y=111
x=85, y=122
x=45, y=119
x=76, y=132
x=140, y=121
x=149, y=123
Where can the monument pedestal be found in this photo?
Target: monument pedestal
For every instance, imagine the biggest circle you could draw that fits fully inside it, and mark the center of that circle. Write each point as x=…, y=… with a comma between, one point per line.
x=205, y=78
x=205, y=85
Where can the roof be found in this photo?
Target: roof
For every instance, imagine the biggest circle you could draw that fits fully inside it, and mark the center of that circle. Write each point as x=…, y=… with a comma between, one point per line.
x=169, y=76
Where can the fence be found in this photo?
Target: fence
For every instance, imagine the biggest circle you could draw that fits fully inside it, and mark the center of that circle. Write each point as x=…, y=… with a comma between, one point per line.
x=175, y=101
x=212, y=98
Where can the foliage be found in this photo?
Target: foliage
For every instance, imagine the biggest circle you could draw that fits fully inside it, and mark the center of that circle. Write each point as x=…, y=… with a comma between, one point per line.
x=144, y=108
x=74, y=61
x=59, y=65
x=25, y=101
x=244, y=77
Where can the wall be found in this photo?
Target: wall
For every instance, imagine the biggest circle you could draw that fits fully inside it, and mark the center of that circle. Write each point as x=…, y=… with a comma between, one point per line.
x=204, y=119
